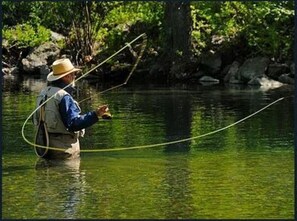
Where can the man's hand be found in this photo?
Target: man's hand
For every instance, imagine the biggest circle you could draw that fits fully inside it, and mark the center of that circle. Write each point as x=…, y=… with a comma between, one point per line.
x=102, y=112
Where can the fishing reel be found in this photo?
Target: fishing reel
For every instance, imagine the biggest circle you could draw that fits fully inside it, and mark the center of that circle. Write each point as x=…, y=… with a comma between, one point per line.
x=106, y=116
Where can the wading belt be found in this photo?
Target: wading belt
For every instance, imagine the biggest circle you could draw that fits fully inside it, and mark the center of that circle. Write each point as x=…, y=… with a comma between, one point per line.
x=41, y=137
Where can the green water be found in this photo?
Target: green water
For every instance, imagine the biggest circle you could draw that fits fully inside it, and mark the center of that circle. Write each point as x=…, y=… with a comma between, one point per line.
x=246, y=171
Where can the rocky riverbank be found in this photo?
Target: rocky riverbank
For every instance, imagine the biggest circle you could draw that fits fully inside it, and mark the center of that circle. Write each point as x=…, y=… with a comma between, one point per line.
x=209, y=68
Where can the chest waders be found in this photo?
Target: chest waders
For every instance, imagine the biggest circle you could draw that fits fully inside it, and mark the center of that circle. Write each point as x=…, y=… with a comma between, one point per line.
x=41, y=137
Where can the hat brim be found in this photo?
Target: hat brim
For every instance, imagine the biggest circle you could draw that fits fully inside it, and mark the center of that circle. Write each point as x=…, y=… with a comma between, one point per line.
x=52, y=77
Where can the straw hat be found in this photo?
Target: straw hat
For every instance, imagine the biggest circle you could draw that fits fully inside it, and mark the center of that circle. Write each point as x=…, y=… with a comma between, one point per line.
x=61, y=68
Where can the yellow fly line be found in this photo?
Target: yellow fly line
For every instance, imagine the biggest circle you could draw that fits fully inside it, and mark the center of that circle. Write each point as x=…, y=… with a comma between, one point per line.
x=128, y=45
x=166, y=143
x=144, y=37
x=185, y=139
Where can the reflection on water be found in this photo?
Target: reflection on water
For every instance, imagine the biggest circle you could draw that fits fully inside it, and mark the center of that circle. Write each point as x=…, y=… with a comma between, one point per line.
x=61, y=182
x=246, y=171
x=178, y=189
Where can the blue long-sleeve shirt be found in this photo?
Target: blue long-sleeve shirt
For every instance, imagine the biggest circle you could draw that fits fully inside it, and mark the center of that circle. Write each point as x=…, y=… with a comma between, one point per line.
x=70, y=112
x=71, y=116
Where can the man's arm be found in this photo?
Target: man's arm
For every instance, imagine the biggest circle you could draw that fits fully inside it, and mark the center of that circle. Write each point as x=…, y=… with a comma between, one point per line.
x=71, y=116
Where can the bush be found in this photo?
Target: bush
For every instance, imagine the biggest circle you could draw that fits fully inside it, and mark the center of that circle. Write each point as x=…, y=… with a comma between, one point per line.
x=25, y=35
x=267, y=27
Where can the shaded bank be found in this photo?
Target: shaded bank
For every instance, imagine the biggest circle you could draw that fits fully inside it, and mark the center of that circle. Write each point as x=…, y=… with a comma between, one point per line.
x=209, y=68
x=186, y=41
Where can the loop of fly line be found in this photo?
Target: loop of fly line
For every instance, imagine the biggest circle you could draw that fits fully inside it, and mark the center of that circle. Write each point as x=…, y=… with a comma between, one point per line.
x=144, y=42
x=125, y=82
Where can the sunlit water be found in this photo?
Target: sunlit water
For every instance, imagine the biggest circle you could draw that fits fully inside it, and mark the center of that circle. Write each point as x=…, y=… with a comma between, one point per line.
x=246, y=171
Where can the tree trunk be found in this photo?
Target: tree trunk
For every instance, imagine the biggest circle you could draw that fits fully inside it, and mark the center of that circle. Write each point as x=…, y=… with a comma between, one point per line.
x=177, y=45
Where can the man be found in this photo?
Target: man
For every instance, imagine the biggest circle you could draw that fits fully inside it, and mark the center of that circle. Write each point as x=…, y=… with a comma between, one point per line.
x=62, y=116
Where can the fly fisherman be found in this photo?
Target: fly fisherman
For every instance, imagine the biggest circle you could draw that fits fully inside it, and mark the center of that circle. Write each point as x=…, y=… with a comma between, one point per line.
x=63, y=121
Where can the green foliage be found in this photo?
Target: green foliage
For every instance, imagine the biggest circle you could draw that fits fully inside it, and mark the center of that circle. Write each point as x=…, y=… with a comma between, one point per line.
x=118, y=21
x=271, y=29
x=15, y=12
x=226, y=19
x=268, y=27
x=25, y=35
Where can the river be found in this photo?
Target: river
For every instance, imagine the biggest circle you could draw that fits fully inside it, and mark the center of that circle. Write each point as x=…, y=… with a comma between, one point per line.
x=243, y=171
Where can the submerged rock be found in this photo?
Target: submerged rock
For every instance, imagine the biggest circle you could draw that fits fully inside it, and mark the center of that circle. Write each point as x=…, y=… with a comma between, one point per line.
x=265, y=83
x=208, y=79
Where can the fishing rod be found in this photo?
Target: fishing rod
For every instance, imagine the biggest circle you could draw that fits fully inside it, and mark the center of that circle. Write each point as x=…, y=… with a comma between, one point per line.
x=144, y=42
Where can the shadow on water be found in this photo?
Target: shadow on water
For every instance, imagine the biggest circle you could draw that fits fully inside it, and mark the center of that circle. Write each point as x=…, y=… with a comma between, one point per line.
x=176, y=181
x=177, y=113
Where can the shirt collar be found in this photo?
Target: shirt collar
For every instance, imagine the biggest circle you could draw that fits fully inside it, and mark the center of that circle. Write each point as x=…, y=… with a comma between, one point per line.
x=69, y=89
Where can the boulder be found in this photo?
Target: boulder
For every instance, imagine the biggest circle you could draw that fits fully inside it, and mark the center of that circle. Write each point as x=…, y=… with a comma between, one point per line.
x=274, y=71
x=231, y=76
x=212, y=62
x=253, y=68
x=55, y=37
x=286, y=79
x=40, y=58
x=292, y=69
